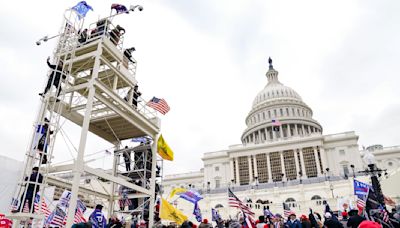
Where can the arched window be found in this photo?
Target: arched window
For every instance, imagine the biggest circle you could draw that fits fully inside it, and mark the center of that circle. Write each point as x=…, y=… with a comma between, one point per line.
x=218, y=206
x=291, y=202
x=318, y=200
x=316, y=197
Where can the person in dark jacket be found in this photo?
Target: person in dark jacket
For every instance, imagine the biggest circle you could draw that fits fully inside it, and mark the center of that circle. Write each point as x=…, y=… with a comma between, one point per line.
x=331, y=223
x=128, y=53
x=127, y=159
x=116, y=34
x=293, y=222
x=33, y=187
x=114, y=222
x=44, y=140
x=82, y=225
x=55, y=77
x=355, y=219
x=136, y=95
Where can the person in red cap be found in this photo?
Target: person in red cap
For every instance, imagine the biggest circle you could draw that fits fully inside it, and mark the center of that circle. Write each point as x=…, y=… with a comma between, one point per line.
x=305, y=222
x=369, y=224
x=205, y=224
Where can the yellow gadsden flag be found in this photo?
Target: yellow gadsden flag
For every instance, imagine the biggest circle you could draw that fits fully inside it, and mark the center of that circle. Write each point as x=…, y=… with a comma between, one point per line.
x=169, y=212
x=177, y=191
x=163, y=149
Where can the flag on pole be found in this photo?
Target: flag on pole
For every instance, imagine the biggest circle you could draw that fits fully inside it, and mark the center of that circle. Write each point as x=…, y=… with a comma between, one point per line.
x=361, y=191
x=57, y=217
x=214, y=215
x=233, y=201
x=44, y=209
x=143, y=139
x=177, y=191
x=26, y=208
x=163, y=149
x=79, y=213
x=159, y=105
x=191, y=196
x=82, y=8
x=119, y=8
x=197, y=212
x=268, y=213
x=14, y=204
x=286, y=210
x=275, y=125
x=169, y=212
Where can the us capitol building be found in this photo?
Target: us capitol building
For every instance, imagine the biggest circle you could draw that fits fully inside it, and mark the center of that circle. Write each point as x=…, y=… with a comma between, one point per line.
x=284, y=157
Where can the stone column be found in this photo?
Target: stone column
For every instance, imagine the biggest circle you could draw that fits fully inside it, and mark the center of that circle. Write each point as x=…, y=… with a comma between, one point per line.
x=281, y=131
x=296, y=131
x=288, y=131
x=232, y=170
x=237, y=171
x=255, y=165
x=303, y=167
x=323, y=158
x=309, y=129
x=250, y=169
x=283, y=165
x=317, y=161
x=273, y=133
x=269, y=169
x=296, y=160
x=302, y=128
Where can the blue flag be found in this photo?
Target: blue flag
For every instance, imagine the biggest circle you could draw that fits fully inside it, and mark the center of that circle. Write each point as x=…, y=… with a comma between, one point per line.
x=214, y=215
x=119, y=8
x=191, y=196
x=143, y=139
x=82, y=8
x=361, y=189
x=197, y=212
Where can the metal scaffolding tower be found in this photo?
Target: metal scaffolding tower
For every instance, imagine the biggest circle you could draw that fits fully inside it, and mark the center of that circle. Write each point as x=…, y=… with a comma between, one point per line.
x=95, y=81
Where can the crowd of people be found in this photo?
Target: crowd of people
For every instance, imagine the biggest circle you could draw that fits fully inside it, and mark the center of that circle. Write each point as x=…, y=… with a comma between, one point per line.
x=351, y=219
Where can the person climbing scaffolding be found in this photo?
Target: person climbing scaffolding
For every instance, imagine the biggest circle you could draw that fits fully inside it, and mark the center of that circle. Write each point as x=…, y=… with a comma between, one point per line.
x=44, y=140
x=55, y=77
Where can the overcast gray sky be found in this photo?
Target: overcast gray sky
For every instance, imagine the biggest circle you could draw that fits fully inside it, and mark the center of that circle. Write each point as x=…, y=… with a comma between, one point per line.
x=208, y=58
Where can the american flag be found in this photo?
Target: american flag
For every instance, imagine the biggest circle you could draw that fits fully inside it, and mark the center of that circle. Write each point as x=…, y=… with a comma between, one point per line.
x=14, y=204
x=159, y=105
x=79, y=216
x=57, y=217
x=233, y=201
x=360, y=204
x=26, y=208
x=124, y=202
x=384, y=214
x=80, y=209
x=286, y=210
x=275, y=125
x=45, y=210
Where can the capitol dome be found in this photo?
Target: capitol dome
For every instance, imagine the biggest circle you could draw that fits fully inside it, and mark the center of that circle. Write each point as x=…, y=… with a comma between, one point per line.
x=278, y=112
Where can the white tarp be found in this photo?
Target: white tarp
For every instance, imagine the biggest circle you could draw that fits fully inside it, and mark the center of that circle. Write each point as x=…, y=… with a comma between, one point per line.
x=10, y=173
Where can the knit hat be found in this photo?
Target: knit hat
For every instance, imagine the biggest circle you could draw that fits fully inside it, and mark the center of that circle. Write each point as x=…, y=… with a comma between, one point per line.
x=328, y=215
x=369, y=224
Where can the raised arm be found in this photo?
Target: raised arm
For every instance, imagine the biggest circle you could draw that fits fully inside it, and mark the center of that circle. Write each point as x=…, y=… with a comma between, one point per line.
x=50, y=65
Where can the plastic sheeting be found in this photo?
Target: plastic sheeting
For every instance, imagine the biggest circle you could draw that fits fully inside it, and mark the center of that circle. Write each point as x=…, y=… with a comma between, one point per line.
x=10, y=173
